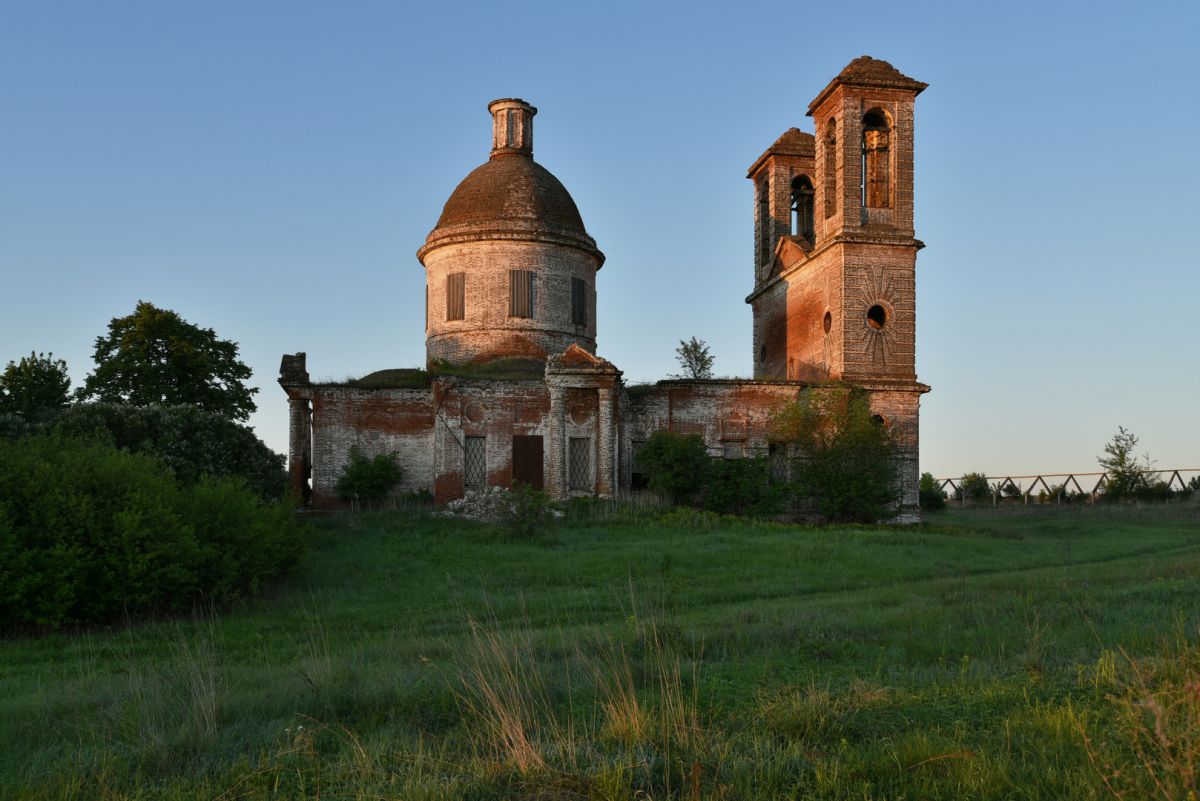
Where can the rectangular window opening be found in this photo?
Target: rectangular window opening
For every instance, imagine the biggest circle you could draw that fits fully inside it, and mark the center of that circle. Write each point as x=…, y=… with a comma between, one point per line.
x=578, y=301
x=522, y=293
x=456, y=296
x=580, y=463
x=475, y=463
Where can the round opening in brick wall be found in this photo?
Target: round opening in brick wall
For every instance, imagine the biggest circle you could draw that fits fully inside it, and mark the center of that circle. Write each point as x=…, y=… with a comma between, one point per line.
x=877, y=317
x=827, y=323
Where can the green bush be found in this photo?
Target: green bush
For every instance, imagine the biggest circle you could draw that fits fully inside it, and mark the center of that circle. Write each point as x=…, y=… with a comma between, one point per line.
x=847, y=461
x=932, y=496
x=743, y=487
x=368, y=480
x=528, y=510
x=89, y=534
x=675, y=465
x=189, y=440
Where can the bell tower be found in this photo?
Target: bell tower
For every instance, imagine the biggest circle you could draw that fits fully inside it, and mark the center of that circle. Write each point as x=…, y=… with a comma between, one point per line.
x=865, y=237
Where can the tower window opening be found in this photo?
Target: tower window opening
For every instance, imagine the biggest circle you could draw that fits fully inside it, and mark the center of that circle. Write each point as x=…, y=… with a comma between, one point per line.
x=522, y=293
x=456, y=296
x=578, y=301
x=827, y=323
x=877, y=317
x=764, y=224
x=829, y=169
x=876, y=179
x=802, y=207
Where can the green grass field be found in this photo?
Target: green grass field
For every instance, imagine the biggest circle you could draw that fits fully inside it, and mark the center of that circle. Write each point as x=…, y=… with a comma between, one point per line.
x=988, y=654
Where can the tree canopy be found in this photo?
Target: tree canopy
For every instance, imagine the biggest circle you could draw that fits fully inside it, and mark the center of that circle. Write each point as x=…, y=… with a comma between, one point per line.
x=694, y=358
x=154, y=356
x=35, y=388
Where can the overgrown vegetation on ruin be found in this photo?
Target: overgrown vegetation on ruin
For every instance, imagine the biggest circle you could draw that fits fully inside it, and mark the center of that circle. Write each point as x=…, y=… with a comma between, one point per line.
x=1042, y=654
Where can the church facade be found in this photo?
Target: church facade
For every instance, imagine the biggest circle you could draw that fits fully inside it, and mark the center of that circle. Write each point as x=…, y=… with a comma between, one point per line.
x=514, y=390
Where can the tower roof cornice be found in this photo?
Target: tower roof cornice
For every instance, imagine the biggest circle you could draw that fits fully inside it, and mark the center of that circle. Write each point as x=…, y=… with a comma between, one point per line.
x=868, y=72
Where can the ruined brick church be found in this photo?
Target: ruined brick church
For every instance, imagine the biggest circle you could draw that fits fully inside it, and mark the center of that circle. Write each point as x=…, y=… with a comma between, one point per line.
x=514, y=389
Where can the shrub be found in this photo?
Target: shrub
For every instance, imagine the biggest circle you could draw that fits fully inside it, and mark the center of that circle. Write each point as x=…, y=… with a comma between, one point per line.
x=742, y=487
x=191, y=441
x=89, y=533
x=528, y=510
x=674, y=464
x=847, y=463
x=368, y=480
x=933, y=497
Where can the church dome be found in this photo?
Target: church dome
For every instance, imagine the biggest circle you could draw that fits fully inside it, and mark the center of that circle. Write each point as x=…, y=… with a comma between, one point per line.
x=511, y=191
x=511, y=196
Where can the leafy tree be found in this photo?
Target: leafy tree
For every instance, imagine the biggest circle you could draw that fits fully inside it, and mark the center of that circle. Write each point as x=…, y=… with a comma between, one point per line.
x=932, y=496
x=35, y=388
x=694, y=358
x=847, y=460
x=973, y=487
x=193, y=442
x=674, y=464
x=155, y=356
x=368, y=479
x=1126, y=477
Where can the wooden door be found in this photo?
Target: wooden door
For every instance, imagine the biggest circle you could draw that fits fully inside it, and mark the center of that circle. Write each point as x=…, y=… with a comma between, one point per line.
x=527, y=461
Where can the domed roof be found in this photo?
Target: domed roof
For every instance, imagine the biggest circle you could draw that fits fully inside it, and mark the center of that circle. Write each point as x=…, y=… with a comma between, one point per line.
x=511, y=196
x=507, y=189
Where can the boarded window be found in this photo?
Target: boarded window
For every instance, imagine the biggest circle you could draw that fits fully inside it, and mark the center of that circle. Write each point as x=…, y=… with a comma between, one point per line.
x=522, y=293
x=456, y=296
x=580, y=463
x=475, y=463
x=733, y=450
x=578, y=301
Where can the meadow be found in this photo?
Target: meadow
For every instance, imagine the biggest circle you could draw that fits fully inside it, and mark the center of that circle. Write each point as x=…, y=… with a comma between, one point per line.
x=987, y=654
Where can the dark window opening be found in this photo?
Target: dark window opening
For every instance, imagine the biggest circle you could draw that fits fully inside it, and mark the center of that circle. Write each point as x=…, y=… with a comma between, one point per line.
x=456, y=296
x=876, y=161
x=878, y=420
x=764, y=224
x=638, y=480
x=829, y=172
x=522, y=293
x=802, y=207
x=827, y=323
x=877, y=317
x=578, y=301
x=762, y=353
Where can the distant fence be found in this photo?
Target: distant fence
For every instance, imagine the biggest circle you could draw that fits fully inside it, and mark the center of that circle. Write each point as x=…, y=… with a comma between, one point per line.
x=1013, y=487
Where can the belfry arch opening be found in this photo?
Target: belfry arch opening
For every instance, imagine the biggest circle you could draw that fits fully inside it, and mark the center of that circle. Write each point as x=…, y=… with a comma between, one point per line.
x=876, y=160
x=802, y=206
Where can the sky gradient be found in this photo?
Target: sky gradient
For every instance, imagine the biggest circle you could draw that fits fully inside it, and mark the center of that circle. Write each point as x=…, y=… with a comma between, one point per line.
x=269, y=170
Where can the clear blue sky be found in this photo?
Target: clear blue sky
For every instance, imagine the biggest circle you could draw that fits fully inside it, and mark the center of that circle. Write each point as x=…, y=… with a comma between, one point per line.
x=268, y=169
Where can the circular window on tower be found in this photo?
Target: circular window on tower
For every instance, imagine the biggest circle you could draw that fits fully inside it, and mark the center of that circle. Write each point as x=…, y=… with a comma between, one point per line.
x=877, y=317
x=827, y=323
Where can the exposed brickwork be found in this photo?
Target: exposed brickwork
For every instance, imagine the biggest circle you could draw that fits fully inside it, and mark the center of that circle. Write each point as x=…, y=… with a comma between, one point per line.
x=836, y=304
x=487, y=331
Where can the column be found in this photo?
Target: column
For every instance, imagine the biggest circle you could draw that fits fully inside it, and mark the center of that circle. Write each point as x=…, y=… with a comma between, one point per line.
x=299, y=456
x=606, y=486
x=556, y=444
